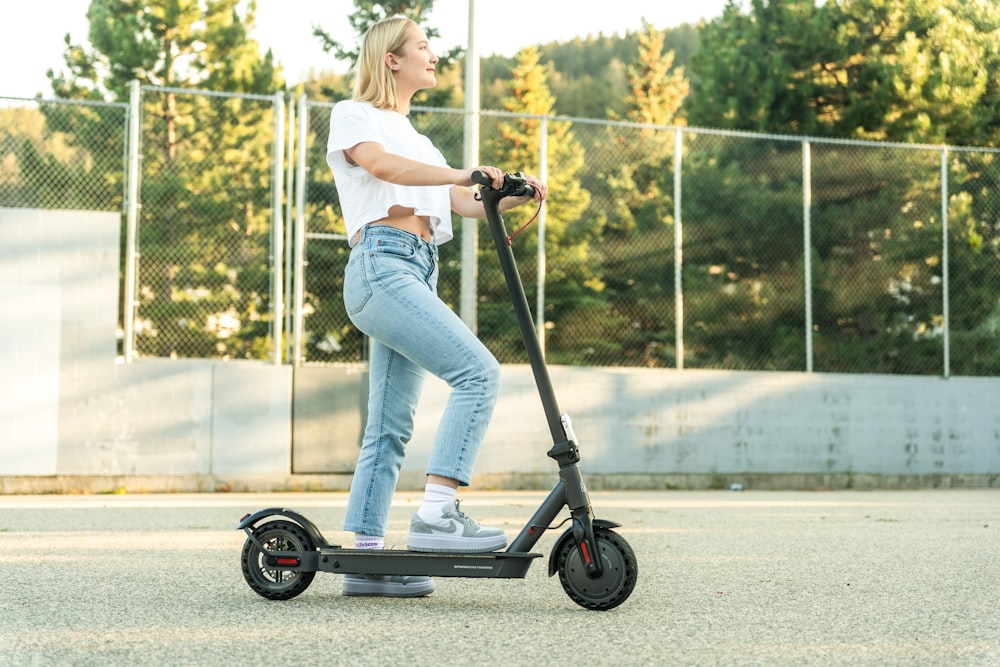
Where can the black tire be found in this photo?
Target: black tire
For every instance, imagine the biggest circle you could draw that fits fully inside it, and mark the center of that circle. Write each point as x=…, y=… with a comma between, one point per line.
x=268, y=582
x=620, y=571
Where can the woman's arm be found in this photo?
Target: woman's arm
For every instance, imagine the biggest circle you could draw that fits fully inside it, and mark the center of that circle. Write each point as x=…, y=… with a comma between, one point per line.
x=386, y=166
x=464, y=202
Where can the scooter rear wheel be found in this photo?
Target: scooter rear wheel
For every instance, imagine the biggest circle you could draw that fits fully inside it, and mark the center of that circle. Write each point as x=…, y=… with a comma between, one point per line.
x=271, y=583
x=620, y=571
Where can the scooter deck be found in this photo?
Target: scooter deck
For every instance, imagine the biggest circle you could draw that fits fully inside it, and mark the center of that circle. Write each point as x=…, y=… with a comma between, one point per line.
x=494, y=564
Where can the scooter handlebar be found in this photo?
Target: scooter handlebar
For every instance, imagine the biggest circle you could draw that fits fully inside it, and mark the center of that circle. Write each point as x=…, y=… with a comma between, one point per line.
x=514, y=185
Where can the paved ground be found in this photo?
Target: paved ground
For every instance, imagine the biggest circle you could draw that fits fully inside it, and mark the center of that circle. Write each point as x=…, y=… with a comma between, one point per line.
x=725, y=578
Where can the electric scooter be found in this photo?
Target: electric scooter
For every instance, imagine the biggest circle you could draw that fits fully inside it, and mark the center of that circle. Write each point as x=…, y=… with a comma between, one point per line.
x=597, y=567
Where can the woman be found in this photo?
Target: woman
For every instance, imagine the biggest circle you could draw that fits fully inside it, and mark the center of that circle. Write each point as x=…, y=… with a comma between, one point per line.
x=397, y=194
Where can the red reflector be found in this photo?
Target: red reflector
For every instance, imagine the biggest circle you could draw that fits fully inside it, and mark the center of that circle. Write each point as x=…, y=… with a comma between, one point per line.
x=244, y=517
x=288, y=561
x=586, y=554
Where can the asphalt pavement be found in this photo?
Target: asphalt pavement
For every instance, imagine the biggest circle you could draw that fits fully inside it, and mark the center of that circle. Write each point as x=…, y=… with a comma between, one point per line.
x=725, y=578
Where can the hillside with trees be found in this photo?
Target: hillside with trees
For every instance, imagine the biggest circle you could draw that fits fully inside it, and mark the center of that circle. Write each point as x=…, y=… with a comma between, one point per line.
x=921, y=72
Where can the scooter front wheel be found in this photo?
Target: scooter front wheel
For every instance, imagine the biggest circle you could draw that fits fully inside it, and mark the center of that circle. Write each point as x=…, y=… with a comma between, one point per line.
x=268, y=582
x=617, y=580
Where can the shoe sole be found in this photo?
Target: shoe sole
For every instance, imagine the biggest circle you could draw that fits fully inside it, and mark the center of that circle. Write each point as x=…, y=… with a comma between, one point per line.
x=388, y=590
x=455, y=545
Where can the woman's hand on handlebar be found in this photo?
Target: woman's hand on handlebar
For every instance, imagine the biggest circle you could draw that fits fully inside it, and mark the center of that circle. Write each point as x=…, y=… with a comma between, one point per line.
x=541, y=190
x=470, y=204
x=495, y=174
x=498, y=181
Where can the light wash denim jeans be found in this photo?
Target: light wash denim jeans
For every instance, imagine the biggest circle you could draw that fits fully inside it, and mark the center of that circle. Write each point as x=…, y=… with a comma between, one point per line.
x=390, y=292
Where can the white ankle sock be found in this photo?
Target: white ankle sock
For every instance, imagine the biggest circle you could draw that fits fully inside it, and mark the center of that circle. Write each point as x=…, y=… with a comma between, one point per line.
x=368, y=541
x=436, y=497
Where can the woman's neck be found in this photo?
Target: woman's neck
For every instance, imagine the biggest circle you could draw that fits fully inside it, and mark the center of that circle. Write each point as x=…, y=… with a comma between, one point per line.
x=403, y=101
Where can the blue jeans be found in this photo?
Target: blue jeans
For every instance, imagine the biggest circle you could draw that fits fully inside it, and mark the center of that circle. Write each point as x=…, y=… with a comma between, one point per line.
x=390, y=292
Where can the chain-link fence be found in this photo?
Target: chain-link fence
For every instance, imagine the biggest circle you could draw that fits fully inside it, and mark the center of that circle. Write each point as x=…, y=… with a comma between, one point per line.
x=204, y=228
x=59, y=154
x=663, y=247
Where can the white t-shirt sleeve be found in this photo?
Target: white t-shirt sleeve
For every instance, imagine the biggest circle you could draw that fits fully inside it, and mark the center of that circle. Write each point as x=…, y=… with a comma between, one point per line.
x=364, y=198
x=349, y=126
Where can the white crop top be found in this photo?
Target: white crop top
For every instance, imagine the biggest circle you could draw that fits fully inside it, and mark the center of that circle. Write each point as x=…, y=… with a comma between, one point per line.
x=364, y=198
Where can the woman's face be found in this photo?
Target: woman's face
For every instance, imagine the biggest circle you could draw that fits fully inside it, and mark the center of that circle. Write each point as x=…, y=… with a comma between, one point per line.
x=413, y=65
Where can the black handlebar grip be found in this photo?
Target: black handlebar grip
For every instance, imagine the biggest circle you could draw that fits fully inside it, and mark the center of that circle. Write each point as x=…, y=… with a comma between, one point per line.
x=514, y=185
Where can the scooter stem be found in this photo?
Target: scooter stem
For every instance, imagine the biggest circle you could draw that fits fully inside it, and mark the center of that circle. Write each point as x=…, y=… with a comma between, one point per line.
x=571, y=490
x=491, y=203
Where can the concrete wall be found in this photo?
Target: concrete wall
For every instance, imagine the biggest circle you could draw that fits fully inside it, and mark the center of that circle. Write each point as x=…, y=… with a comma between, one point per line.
x=797, y=429
x=68, y=409
x=58, y=312
x=71, y=418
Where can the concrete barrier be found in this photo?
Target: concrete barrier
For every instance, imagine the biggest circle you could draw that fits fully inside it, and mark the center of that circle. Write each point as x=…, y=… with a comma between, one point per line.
x=73, y=419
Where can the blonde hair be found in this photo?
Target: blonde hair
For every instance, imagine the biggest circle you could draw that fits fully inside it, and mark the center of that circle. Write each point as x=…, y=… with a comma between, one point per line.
x=373, y=80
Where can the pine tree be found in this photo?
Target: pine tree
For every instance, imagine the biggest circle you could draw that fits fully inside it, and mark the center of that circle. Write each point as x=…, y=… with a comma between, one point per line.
x=657, y=88
x=515, y=146
x=205, y=217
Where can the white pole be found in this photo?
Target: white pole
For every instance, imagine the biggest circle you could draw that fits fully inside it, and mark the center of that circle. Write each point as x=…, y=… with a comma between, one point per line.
x=678, y=254
x=298, y=332
x=945, y=303
x=289, y=241
x=807, y=247
x=470, y=230
x=277, y=228
x=132, y=218
x=543, y=168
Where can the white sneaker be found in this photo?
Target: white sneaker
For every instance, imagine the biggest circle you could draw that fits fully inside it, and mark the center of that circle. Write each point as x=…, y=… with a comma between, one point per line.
x=454, y=533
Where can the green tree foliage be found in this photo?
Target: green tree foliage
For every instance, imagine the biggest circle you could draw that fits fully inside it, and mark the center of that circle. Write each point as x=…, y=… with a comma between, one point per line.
x=974, y=270
x=588, y=75
x=205, y=218
x=749, y=72
x=68, y=157
x=901, y=70
x=913, y=71
x=368, y=12
x=515, y=145
x=657, y=88
x=175, y=43
x=924, y=71
x=632, y=182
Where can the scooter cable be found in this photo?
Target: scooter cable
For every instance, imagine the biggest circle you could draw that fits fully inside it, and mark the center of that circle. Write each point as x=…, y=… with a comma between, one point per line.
x=525, y=225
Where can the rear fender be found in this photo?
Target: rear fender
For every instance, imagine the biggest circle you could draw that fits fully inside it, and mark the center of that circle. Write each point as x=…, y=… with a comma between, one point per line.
x=248, y=522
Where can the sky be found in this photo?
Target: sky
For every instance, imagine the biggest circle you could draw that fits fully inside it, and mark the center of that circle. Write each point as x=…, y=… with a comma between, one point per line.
x=32, y=33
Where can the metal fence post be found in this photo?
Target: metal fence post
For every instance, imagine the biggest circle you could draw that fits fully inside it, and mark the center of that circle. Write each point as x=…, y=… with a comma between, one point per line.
x=277, y=228
x=468, y=286
x=807, y=248
x=289, y=211
x=678, y=253
x=131, y=220
x=300, y=233
x=543, y=168
x=945, y=305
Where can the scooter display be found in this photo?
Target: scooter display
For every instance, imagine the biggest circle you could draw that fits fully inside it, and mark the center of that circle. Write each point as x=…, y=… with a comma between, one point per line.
x=597, y=567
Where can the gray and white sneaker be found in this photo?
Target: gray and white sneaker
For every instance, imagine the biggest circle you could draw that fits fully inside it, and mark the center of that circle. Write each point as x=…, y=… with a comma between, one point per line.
x=454, y=533
x=392, y=586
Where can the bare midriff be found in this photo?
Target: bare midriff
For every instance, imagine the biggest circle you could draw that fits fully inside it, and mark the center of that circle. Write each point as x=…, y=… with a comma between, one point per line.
x=404, y=218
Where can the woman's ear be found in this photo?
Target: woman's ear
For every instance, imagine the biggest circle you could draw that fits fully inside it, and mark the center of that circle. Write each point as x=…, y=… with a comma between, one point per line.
x=390, y=61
